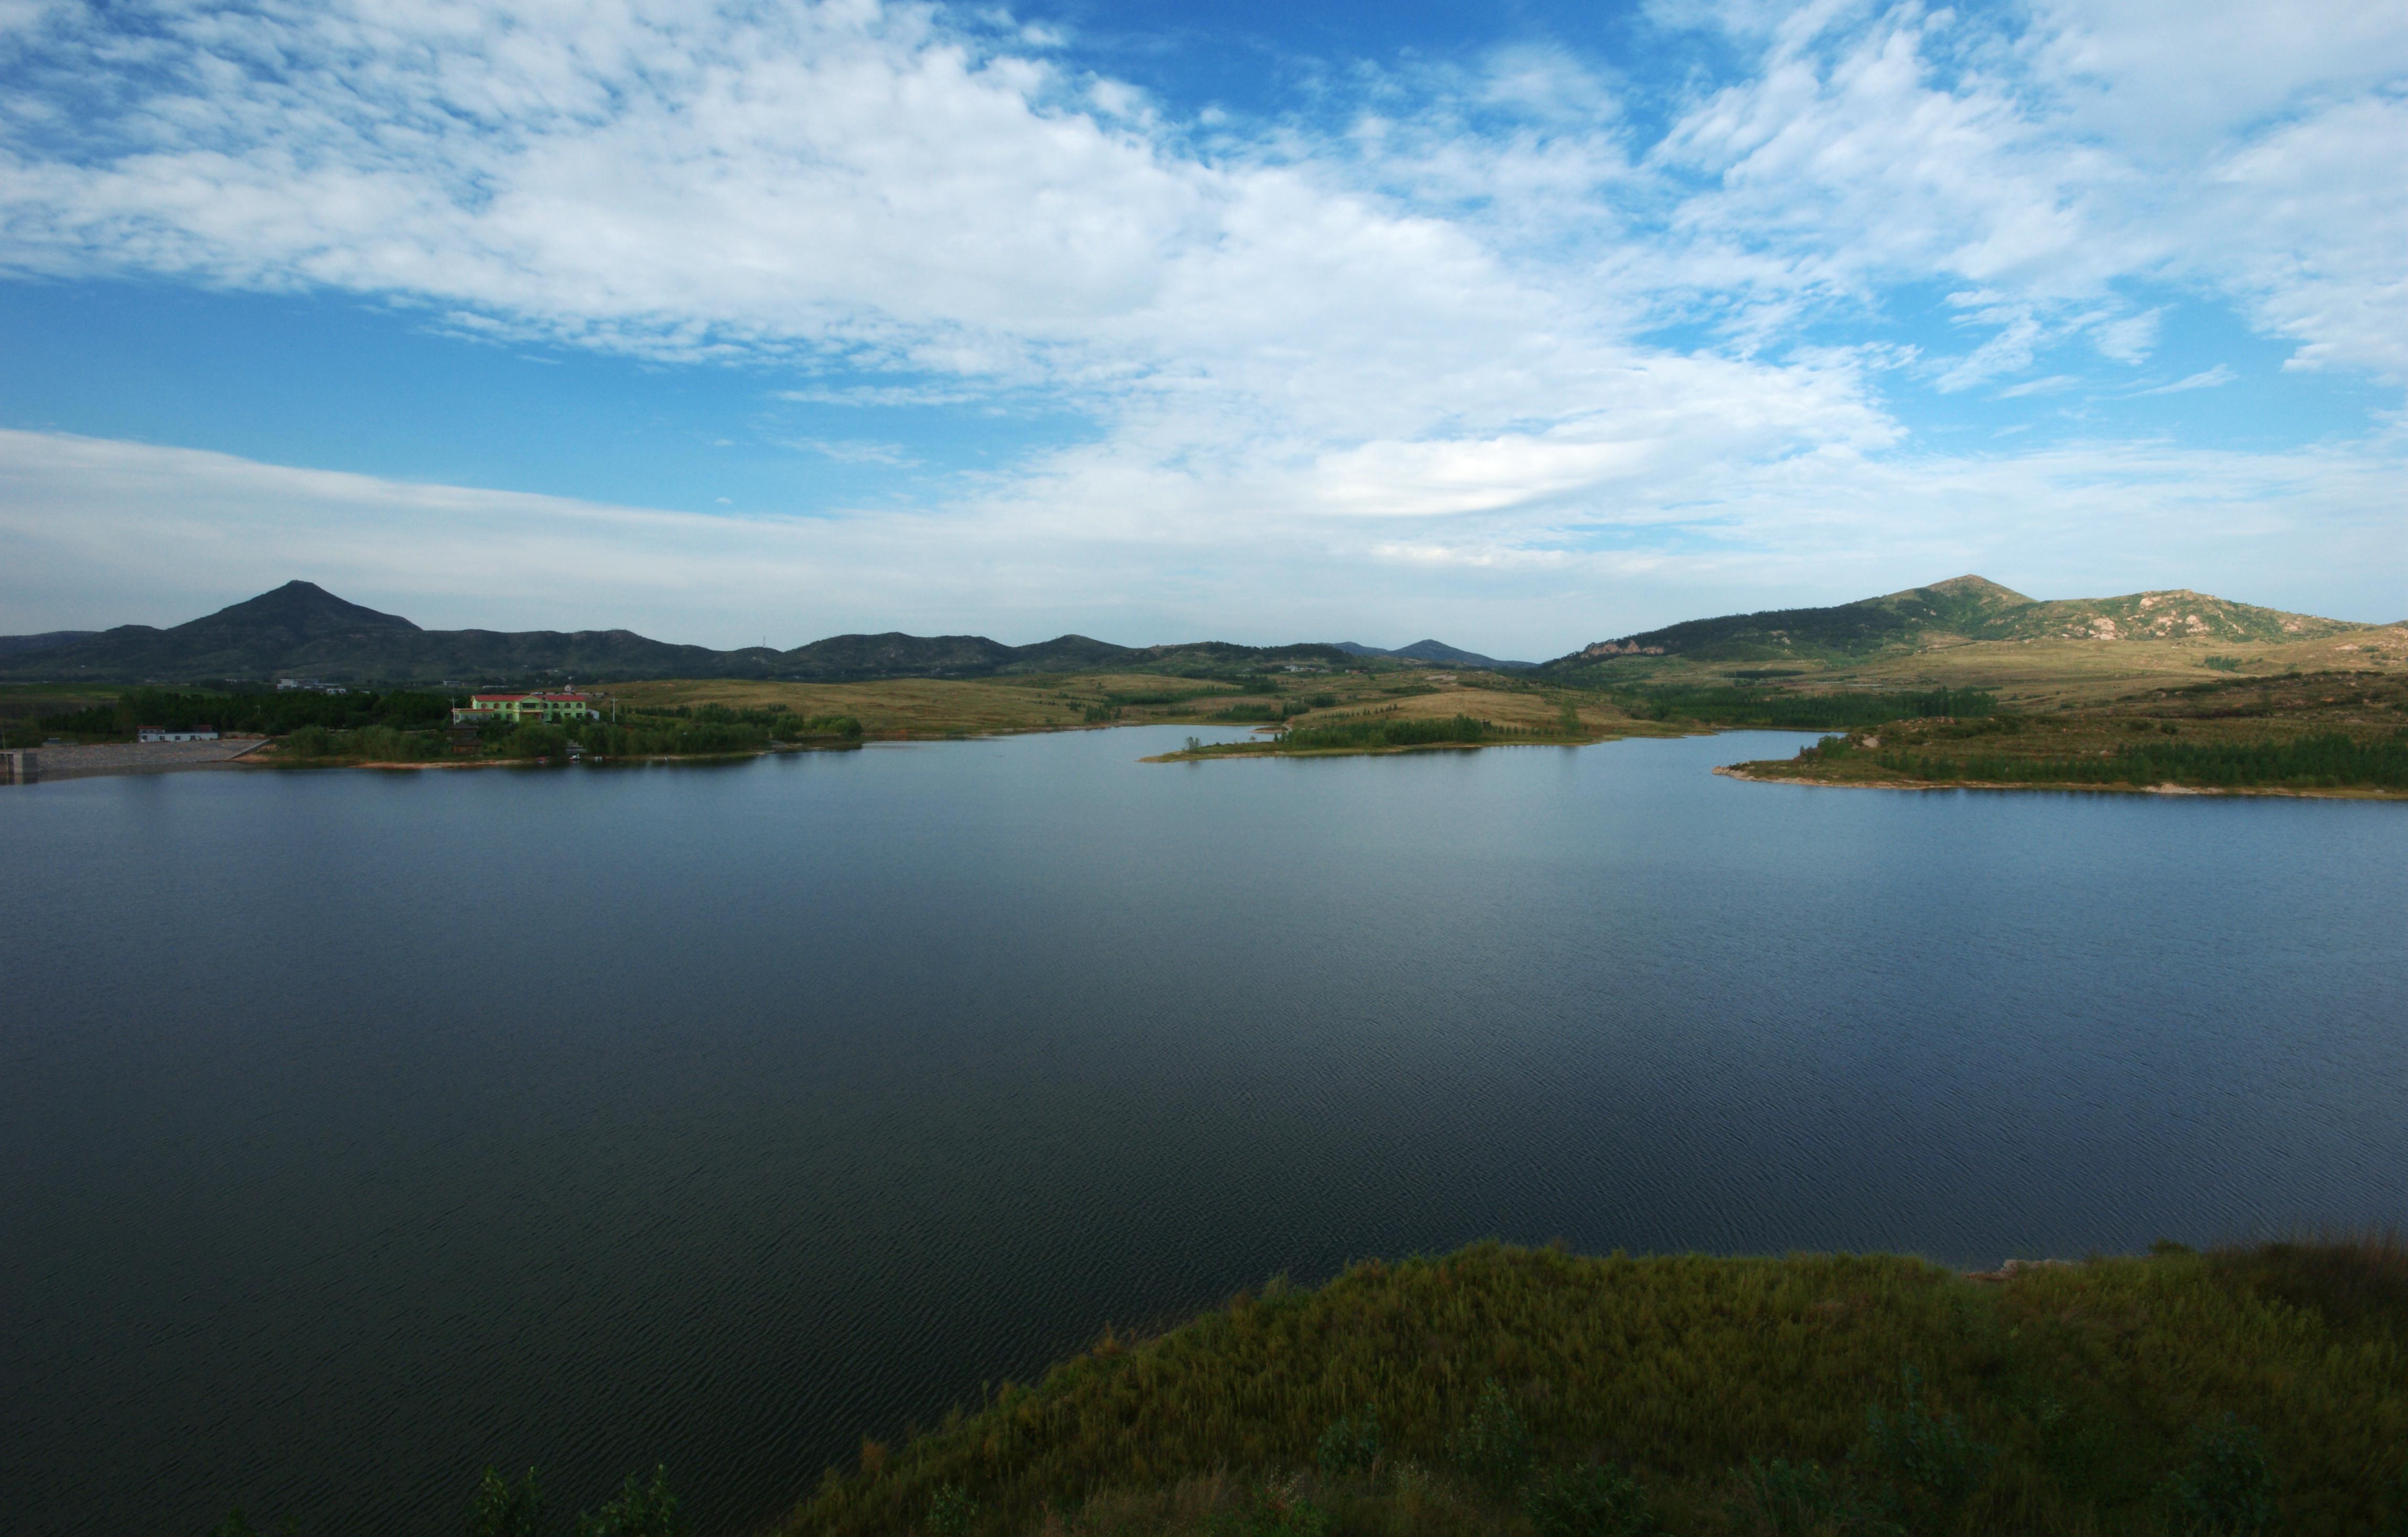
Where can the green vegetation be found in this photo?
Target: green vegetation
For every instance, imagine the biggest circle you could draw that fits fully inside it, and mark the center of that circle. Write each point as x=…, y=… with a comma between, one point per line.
x=2329, y=761
x=707, y=731
x=1759, y=707
x=264, y=712
x=1514, y=1391
x=685, y=731
x=1371, y=733
x=2322, y=733
x=369, y=744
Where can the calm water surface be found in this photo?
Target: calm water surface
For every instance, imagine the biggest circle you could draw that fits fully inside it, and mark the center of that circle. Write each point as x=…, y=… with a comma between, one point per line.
x=358, y=1130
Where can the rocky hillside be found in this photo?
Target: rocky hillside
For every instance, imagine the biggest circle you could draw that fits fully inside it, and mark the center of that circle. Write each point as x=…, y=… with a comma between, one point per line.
x=2177, y=615
x=1965, y=607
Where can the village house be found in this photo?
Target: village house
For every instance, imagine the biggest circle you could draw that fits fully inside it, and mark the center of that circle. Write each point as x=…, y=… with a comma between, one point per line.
x=520, y=708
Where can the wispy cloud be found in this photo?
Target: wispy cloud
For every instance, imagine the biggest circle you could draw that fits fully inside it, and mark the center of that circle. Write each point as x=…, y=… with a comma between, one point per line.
x=2207, y=379
x=2053, y=384
x=854, y=450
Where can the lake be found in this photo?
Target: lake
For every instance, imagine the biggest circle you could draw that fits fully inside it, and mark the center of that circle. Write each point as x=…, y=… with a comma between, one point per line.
x=359, y=1129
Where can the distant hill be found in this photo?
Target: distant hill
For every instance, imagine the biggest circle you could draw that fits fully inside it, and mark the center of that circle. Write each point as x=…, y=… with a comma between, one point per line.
x=1431, y=651
x=1966, y=608
x=48, y=640
x=302, y=630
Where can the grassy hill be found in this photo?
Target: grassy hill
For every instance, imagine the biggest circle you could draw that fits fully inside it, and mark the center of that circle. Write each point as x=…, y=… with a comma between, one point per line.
x=1517, y=1391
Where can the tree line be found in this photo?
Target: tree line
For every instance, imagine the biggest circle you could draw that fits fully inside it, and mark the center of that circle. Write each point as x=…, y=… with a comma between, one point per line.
x=1805, y=712
x=2328, y=760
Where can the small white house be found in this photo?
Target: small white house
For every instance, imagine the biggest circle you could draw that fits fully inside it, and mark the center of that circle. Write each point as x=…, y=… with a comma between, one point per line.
x=161, y=733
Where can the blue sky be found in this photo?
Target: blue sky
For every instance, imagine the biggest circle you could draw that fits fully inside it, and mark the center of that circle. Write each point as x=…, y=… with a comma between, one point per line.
x=1521, y=325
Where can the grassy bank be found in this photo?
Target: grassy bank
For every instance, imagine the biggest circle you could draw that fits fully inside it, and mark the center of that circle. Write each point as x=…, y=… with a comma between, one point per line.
x=1512, y=1391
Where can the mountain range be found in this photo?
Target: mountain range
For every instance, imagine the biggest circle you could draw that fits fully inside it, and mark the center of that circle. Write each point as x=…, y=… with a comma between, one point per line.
x=1431, y=651
x=301, y=629
x=46, y=641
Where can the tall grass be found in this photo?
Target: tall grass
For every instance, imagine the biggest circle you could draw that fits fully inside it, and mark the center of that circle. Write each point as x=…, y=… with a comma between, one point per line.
x=1856, y=1393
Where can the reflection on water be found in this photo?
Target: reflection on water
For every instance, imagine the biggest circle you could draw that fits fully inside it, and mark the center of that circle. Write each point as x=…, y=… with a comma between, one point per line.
x=359, y=1129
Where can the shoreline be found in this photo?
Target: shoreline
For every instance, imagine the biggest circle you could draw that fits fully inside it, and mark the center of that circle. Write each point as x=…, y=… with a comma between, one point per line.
x=1738, y=771
x=1271, y=749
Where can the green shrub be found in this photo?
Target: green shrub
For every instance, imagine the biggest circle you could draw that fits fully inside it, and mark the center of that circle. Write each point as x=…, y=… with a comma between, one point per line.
x=1492, y=1446
x=950, y=1511
x=1598, y=1501
x=1277, y=1510
x=1351, y=1444
x=1928, y=1466
x=2227, y=1490
x=2395, y=1518
x=1802, y=1498
x=310, y=742
x=538, y=742
x=504, y=1509
x=641, y=1510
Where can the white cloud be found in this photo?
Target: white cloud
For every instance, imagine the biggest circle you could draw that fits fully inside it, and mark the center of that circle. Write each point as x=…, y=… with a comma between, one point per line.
x=104, y=532
x=2165, y=76
x=1419, y=341
x=2130, y=338
x=2310, y=220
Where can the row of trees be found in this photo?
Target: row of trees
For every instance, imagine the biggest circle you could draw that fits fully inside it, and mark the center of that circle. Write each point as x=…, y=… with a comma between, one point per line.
x=1387, y=731
x=269, y=715
x=1805, y=712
